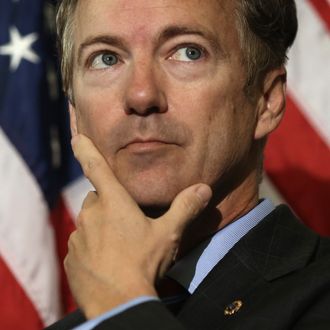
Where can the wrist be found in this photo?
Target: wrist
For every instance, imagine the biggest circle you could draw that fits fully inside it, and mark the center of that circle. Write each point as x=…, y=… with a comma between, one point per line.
x=108, y=301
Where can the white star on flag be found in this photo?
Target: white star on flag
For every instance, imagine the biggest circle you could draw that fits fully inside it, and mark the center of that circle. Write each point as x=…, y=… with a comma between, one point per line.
x=19, y=48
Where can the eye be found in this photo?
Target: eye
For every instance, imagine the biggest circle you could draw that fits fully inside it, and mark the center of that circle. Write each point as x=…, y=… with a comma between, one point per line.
x=187, y=54
x=104, y=60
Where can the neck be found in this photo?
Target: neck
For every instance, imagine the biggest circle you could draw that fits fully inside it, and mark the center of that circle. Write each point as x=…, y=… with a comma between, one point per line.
x=221, y=212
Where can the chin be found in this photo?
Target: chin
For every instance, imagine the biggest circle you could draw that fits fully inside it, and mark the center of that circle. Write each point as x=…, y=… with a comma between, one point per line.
x=153, y=203
x=154, y=187
x=153, y=192
x=152, y=197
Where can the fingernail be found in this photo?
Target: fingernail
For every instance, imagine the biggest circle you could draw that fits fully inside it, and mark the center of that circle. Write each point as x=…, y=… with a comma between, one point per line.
x=204, y=192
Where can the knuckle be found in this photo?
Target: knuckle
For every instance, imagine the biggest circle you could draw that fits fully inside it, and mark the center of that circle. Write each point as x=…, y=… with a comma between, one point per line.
x=190, y=204
x=66, y=262
x=174, y=239
x=79, y=220
x=90, y=165
x=82, y=219
x=71, y=240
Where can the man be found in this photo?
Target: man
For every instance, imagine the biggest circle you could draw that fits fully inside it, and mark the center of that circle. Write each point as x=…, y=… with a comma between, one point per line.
x=171, y=103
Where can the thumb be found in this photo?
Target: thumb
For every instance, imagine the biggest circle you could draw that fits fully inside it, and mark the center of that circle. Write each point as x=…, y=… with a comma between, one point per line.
x=187, y=205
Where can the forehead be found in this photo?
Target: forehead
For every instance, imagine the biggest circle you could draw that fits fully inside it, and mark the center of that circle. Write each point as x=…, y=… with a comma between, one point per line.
x=143, y=17
x=123, y=7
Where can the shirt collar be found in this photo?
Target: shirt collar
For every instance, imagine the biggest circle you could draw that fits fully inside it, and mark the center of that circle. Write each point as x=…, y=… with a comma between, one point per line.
x=191, y=270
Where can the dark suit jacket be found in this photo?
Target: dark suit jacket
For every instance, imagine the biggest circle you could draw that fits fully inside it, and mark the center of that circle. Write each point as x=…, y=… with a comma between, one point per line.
x=280, y=271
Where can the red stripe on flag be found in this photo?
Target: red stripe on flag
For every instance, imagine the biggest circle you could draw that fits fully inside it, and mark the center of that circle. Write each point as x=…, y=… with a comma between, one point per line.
x=63, y=225
x=298, y=162
x=323, y=9
x=16, y=307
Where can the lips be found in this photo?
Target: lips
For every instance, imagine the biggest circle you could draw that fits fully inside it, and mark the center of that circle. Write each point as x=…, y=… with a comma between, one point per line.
x=139, y=145
x=145, y=141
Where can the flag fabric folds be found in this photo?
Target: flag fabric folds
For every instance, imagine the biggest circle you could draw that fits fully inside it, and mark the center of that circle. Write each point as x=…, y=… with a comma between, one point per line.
x=42, y=187
x=36, y=166
x=28, y=261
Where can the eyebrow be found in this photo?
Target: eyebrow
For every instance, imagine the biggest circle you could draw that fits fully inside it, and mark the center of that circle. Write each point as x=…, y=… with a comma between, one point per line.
x=167, y=34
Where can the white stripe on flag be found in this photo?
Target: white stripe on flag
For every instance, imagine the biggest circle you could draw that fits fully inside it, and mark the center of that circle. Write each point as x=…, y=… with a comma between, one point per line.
x=27, y=239
x=309, y=70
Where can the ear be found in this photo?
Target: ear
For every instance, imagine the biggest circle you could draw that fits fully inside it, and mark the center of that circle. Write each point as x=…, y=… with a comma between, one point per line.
x=271, y=105
x=73, y=120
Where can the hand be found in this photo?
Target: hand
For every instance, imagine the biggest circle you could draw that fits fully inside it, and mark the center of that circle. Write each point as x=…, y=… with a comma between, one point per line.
x=117, y=253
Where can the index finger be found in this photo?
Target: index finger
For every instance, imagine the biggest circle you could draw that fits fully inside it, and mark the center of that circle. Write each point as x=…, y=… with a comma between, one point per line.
x=98, y=172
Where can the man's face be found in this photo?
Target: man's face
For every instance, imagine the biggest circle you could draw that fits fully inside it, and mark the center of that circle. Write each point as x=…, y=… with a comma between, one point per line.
x=158, y=86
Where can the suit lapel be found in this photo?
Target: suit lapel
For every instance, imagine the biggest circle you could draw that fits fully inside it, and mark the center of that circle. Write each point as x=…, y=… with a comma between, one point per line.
x=276, y=247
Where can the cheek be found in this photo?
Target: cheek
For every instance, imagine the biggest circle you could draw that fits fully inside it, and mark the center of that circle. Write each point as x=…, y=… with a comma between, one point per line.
x=216, y=116
x=206, y=112
x=209, y=112
x=95, y=117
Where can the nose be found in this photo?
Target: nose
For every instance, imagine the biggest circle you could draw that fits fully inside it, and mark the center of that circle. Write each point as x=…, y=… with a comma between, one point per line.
x=144, y=92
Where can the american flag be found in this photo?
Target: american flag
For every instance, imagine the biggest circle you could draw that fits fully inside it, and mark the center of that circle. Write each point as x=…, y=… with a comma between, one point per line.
x=298, y=154
x=37, y=170
x=42, y=187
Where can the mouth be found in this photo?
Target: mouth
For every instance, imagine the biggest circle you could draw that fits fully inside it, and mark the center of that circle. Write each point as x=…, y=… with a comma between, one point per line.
x=143, y=146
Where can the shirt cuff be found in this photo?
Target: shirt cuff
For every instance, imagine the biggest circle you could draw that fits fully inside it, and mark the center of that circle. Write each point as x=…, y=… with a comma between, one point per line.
x=117, y=310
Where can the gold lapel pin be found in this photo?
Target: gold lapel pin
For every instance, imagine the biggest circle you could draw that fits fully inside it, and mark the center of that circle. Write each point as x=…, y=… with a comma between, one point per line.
x=233, y=308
